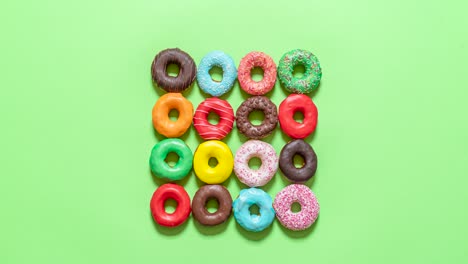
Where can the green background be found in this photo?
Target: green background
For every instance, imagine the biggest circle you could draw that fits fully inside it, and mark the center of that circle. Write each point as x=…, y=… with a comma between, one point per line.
x=76, y=132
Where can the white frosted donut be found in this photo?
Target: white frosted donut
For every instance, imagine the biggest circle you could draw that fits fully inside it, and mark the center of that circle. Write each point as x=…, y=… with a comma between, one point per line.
x=255, y=149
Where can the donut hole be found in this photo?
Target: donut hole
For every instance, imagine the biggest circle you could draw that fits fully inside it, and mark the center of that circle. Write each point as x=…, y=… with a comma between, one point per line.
x=171, y=159
x=298, y=117
x=298, y=161
x=296, y=207
x=173, y=115
x=256, y=74
x=216, y=74
x=212, y=205
x=172, y=70
x=213, y=162
x=254, y=210
x=256, y=117
x=298, y=71
x=213, y=118
x=255, y=163
x=170, y=206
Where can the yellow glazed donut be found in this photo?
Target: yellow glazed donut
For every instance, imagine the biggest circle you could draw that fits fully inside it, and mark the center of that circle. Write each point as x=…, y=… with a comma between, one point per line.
x=213, y=149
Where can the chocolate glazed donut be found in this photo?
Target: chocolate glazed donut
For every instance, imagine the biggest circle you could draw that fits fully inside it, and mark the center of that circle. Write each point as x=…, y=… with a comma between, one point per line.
x=187, y=70
x=286, y=161
x=263, y=104
x=218, y=192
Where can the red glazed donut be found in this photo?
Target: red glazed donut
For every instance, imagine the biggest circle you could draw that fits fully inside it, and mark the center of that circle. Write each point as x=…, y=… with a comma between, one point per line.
x=250, y=61
x=170, y=191
x=226, y=119
x=292, y=104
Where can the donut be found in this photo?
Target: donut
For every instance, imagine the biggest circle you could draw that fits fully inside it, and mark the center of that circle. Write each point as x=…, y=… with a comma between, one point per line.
x=225, y=62
x=159, y=153
x=253, y=103
x=241, y=208
x=286, y=161
x=296, y=193
x=187, y=70
x=312, y=75
x=297, y=103
x=161, y=121
x=163, y=193
x=213, y=149
x=205, y=129
x=262, y=150
x=250, y=61
x=205, y=193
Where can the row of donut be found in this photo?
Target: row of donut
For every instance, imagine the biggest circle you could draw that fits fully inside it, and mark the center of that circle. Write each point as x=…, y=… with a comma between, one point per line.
x=240, y=163
x=288, y=107
x=188, y=72
x=281, y=207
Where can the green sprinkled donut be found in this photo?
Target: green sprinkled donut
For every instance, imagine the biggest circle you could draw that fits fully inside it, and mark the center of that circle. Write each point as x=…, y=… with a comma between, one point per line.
x=312, y=75
x=159, y=166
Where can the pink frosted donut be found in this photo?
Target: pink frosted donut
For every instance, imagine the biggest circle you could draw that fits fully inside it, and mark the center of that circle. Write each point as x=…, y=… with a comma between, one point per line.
x=309, y=207
x=261, y=150
x=250, y=61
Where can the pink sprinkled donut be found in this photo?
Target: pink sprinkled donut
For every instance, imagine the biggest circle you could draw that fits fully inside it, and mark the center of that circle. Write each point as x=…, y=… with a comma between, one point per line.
x=266, y=153
x=309, y=207
x=250, y=61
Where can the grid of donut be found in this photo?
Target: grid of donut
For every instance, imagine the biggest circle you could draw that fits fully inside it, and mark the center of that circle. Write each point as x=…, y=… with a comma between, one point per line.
x=212, y=176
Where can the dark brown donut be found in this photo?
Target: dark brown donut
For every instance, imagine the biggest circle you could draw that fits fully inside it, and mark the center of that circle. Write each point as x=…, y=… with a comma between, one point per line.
x=200, y=199
x=286, y=161
x=187, y=70
x=266, y=127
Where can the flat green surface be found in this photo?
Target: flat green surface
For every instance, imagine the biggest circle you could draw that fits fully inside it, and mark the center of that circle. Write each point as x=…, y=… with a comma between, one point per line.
x=76, y=133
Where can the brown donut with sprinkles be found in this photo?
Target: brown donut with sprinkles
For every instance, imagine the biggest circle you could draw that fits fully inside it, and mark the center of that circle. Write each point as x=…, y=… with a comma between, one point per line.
x=246, y=127
x=187, y=70
x=209, y=131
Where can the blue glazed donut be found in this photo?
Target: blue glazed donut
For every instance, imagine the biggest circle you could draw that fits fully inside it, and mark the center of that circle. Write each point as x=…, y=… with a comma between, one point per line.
x=222, y=60
x=252, y=222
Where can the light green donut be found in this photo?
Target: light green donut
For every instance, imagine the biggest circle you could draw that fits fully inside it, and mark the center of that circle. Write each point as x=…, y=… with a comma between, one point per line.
x=159, y=166
x=312, y=75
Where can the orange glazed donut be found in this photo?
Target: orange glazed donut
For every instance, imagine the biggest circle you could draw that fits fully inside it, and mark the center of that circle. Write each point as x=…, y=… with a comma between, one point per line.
x=161, y=121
